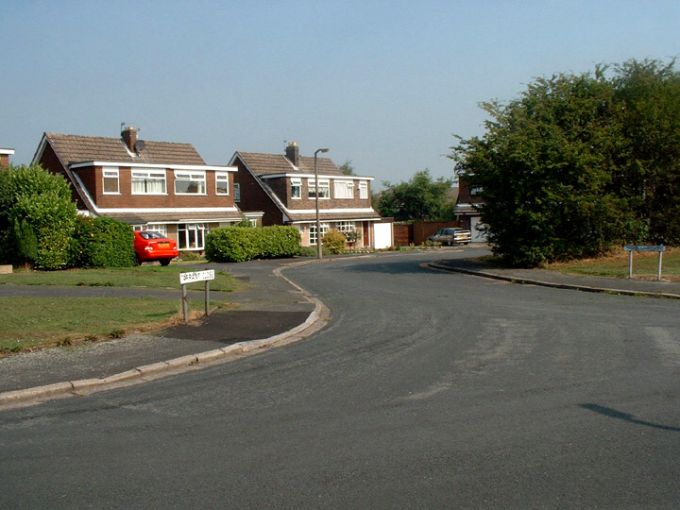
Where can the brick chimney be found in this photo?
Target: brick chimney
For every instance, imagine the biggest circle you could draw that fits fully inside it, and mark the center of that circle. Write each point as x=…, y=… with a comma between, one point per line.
x=129, y=136
x=293, y=153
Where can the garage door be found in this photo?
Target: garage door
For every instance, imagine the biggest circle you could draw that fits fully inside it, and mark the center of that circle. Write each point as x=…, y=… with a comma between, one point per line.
x=475, y=225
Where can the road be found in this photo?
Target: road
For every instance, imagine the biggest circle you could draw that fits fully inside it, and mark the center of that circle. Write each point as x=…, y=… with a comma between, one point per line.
x=427, y=390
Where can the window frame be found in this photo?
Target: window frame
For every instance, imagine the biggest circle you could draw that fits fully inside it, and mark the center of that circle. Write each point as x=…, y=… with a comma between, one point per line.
x=324, y=184
x=325, y=227
x=200, y=230
x=222, y=176
x=147, y=173
x=344, y=185
x=363, y=190
x=193, y=174
x=295, y=183
x=110, y=169
x=237, y=192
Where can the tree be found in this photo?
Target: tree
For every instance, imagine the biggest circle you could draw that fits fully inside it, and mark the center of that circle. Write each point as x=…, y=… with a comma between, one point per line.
x=566, y=169
x=37, y=218
x=421, y=198
x=347, y=168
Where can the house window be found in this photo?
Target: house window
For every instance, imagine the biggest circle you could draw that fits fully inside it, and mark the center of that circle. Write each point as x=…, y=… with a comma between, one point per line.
x=343, y=189
x=191, y=236
x=476, y=190
x=345, y=226
x=363, y=190
x=324, y=188
x=237, y=192
x=110, y=176
x=148, y=182
x=295, y=187
x=312, y=233
x=222, y=183
x=190, y=183
x=161, y=229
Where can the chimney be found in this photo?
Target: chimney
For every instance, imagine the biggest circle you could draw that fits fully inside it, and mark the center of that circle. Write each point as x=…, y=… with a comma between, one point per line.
x=293, y=153
x=129, y=136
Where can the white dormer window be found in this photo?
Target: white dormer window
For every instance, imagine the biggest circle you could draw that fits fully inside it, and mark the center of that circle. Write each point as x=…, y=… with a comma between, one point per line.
x=324, y=188
x=363, y=189
x=148, y=182
x=295, y=187
x=111, y=183
x=190, y=183
x=343, y=189
x=222, y=183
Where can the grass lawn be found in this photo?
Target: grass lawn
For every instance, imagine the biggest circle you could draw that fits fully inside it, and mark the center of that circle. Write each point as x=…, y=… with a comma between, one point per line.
x=616, y=265
x=37, y=322
x=138, y=276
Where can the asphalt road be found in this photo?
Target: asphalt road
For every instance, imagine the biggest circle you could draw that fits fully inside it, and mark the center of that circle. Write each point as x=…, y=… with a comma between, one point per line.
x=427, y=390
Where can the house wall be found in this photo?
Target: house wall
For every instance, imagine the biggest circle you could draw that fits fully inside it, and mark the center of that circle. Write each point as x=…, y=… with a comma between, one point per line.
x=4, y=160
x=464, y=195
x=305, y=202
x=92, y=178
x=254, y=198
x=50, y=162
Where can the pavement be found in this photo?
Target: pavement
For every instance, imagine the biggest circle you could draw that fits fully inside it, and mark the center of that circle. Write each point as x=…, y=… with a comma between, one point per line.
x=271, y=311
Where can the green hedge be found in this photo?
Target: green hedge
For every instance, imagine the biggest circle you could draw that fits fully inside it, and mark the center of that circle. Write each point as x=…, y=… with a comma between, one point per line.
x=102, y=242
x=237, y=244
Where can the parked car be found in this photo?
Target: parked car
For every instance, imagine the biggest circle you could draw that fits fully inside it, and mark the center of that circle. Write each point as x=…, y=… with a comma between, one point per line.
x=451, y=236
x=150, y=246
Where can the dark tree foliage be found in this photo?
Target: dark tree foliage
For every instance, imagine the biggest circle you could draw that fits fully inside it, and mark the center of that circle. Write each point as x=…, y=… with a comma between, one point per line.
x=421, y=198
x=580, y=162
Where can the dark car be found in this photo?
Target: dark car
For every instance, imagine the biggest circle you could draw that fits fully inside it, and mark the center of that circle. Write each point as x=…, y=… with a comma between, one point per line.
x=150, y=246
x=451, y=236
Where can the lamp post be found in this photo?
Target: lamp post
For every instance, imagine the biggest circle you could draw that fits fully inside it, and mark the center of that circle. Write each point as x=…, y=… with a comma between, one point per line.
x=316, y=193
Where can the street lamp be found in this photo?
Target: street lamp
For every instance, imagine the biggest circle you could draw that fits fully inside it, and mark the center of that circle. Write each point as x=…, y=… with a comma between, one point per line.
x=316, y=187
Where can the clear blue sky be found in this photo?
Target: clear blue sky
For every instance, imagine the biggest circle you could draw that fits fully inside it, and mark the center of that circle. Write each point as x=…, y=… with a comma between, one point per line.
x=384, y=84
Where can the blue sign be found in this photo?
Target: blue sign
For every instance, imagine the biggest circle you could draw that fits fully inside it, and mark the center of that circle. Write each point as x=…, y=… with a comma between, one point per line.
x=634, y=247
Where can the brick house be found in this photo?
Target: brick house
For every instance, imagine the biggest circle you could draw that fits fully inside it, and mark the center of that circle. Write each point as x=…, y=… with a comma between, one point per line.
x=468, y=208
x=161, y=186
x=282, y=186
x=4, y=157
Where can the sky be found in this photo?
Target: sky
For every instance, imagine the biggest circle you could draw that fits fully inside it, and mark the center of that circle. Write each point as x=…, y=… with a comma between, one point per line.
x=384, y=84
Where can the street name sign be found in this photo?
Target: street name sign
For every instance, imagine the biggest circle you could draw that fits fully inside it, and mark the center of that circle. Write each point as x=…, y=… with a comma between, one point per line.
x=196, y=276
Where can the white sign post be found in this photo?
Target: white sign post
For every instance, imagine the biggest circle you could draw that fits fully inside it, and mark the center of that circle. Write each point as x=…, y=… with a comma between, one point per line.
x=196, y=276
x=630, y=248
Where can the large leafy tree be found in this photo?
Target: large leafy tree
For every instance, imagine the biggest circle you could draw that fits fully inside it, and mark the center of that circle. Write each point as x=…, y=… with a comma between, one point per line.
x=421, y=198
x=37, y=217
x=563, y=169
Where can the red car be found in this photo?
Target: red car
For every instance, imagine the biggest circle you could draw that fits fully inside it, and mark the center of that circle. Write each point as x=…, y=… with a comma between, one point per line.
x=151, y=246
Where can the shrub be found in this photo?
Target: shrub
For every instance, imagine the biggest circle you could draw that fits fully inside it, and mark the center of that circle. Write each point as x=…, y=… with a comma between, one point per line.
x=102, y=242
x=37, y=217
x=334, y=242
x=236, y=244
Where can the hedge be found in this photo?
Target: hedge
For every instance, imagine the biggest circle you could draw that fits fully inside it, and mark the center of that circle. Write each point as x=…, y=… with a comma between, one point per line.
x=238, y=244
x=102, y=242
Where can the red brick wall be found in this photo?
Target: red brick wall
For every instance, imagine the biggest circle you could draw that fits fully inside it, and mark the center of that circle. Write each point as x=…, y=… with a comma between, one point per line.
x=4, y=160
x=253, y=197
x=93, y=180
x=51, y=163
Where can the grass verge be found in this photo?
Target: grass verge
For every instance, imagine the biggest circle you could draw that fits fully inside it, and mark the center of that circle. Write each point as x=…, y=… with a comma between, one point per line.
x=139, y=276
x=615, y=265
x=35, y=322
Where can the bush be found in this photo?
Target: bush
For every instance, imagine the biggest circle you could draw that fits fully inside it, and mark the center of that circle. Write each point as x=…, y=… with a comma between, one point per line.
x=236, y=244
x=102, y=242
x=37, y=217
x=334, y=242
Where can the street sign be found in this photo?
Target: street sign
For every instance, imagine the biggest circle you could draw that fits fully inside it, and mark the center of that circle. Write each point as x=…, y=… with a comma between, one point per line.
x=635, y=247
x=630, y=248
x=196, y=276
